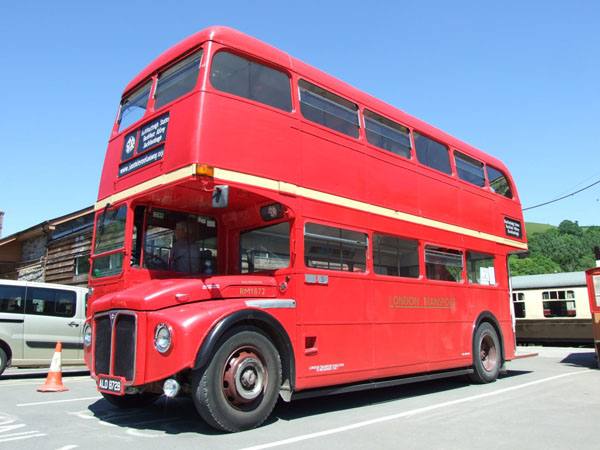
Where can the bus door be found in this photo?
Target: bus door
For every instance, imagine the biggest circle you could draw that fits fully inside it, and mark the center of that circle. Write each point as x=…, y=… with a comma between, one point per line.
x=335, y=335
x=52, y=315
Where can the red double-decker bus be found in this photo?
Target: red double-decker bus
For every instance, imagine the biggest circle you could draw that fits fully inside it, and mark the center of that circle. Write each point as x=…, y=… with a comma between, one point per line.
x=264, y=230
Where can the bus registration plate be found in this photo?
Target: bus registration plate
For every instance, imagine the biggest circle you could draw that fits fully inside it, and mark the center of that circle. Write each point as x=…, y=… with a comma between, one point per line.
x=111, y=385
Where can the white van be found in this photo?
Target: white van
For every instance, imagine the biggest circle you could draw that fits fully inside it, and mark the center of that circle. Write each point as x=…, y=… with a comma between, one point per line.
x=34, y=317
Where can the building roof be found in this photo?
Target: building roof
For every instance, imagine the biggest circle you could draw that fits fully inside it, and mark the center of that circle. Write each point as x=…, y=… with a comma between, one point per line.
x=44, y=227
x=549, y=280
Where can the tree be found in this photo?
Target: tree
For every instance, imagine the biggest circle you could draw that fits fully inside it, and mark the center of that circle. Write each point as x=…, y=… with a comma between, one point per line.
x=568, y=248
x=533, y=265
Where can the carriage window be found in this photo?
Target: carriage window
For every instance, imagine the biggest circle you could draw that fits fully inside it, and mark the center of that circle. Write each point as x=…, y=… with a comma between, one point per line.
x=328, y=109
x=443, y=264
x=469, y=169
x=335, y=248
x=386, y=134
x=177, y=80
x=559, y=303
x=519, y=304
x=480, y=268
x=248, y=79
x=395, y=257
x=498, y=182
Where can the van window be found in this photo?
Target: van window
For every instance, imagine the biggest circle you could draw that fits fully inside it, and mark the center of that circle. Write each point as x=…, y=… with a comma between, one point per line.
x=50, y=302
x=12, y=299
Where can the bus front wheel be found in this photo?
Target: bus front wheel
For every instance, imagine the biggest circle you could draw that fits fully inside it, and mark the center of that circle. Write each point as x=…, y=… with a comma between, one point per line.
x=487, y=358
x=238, y=388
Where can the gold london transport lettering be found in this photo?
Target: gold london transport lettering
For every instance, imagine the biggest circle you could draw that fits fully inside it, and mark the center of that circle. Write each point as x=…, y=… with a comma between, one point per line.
x=409, y=301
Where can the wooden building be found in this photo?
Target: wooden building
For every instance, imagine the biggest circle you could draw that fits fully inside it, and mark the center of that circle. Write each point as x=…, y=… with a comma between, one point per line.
x=54, y=251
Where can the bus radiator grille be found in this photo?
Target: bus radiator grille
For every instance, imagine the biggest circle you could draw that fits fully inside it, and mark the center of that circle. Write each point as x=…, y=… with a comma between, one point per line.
x=114, y=345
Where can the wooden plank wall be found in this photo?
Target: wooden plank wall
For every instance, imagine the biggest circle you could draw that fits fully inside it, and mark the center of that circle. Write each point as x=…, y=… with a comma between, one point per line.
x=61, y=257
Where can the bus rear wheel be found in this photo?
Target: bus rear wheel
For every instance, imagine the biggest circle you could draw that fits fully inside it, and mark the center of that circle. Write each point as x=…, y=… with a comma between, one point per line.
x=238, y=388
x=487, y=355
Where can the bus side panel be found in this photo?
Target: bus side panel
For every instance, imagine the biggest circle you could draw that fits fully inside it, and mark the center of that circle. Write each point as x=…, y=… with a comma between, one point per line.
x=400, y=327
x=262, y=139
x=331, y=163
x=334, y=338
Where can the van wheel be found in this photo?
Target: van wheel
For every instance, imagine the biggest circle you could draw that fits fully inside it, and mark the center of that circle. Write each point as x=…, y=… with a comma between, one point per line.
x=238, y=388
x=487, y=357
x=130, y=400
x=3, y=361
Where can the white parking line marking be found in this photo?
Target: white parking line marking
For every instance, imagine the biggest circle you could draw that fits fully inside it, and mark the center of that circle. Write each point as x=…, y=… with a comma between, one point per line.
x=20, y=436
x=61, y=401
x=409, y=413
x=7, y=425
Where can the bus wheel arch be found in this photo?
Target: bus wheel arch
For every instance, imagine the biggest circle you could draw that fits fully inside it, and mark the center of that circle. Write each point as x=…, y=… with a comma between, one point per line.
x=238, y=388
x=270, y=327
x=488, y=349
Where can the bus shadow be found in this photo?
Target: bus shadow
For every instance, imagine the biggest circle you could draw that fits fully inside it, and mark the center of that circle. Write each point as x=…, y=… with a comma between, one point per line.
x=587, y=359
x=166, y=416
x=347, y=401
x=179, y=415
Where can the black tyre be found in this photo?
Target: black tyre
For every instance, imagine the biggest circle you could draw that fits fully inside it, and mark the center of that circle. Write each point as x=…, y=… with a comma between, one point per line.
x=238, y=388
x=130, y=400
x=487, y=354
x=3, y=361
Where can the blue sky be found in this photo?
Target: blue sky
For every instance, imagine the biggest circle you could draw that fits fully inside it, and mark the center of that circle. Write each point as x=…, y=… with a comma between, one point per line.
x=517, y=79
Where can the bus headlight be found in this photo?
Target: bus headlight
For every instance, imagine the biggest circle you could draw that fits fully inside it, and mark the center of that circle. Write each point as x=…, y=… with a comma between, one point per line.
x=87, y=335
x=162, y=337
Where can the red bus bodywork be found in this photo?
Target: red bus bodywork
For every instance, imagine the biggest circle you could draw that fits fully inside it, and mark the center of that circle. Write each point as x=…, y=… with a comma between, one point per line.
x=330, y=327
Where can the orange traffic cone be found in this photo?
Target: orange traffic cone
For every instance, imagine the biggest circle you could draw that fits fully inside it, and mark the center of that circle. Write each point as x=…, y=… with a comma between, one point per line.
x=54, y=378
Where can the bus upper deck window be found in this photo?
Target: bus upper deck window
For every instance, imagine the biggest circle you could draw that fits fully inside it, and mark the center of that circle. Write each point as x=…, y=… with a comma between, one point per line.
x=177, y=80
x=432, y=154
x=387, y=134
x=328, y=109
x=469, y=169
x=498, y=182
x=133, y=107
x=248, y=79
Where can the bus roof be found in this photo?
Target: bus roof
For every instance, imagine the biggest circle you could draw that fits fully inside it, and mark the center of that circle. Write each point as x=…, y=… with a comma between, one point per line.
x=260, y=50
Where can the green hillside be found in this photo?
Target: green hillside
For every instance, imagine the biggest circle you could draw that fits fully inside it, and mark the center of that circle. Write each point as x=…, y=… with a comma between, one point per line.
x=566, y=248
x=532, y=227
